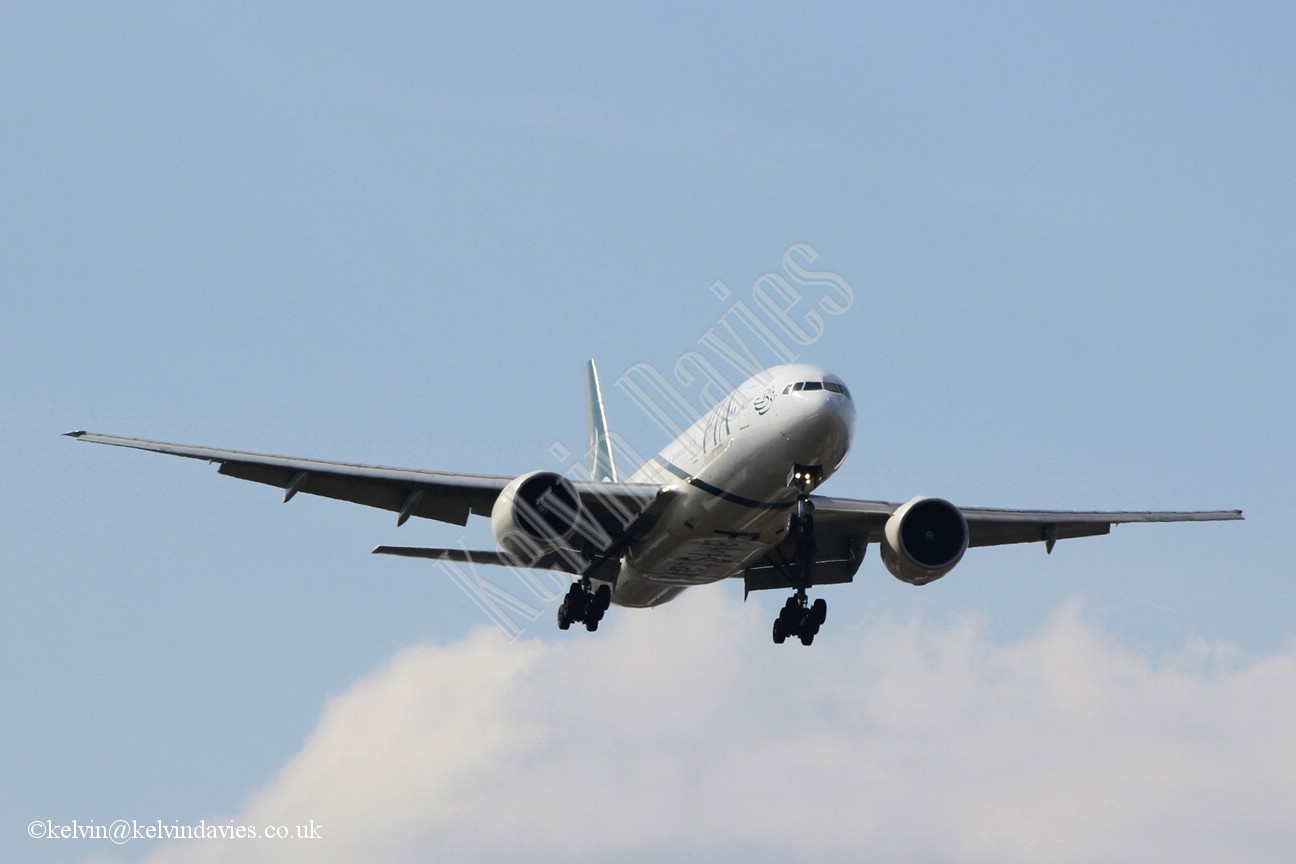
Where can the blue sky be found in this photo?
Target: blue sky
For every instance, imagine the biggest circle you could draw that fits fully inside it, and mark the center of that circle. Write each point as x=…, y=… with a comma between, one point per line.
x=394, y=235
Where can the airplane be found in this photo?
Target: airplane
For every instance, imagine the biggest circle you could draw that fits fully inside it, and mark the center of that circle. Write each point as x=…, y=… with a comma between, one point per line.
x=734, y=496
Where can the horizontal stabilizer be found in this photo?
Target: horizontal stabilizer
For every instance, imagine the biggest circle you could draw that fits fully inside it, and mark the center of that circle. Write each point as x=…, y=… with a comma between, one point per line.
x=564, y=560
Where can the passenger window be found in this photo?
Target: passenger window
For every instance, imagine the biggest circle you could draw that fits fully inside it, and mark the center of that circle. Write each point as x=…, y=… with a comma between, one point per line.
x=814, y=385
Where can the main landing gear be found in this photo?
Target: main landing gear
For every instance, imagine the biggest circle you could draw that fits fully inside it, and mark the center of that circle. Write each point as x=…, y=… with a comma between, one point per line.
x=583, y=605
x=799, y=617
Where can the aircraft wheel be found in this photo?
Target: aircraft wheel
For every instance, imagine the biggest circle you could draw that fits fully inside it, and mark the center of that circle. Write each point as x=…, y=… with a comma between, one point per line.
x=579, y=602
x=564, y=621
x=591, y=623
x=779, y=633
x=807, y=636
x=819, y=612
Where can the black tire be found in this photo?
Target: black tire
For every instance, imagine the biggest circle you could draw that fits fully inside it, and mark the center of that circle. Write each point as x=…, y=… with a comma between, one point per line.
x=577, y=602
x=779, y=634
x=819, y=612
x=591, y=624
x=563, y=620
x=603, y=598
x=807, y=637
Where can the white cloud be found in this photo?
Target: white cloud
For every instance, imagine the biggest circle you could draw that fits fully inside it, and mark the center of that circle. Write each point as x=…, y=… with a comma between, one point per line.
x=684, y=732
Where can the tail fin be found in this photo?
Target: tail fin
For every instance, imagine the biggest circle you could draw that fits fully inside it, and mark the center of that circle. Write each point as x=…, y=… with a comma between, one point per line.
x=601, y=465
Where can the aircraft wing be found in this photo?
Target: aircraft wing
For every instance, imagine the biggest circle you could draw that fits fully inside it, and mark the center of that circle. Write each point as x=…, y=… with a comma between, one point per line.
x=439, y=495
x=844, y=527
x=996, y=527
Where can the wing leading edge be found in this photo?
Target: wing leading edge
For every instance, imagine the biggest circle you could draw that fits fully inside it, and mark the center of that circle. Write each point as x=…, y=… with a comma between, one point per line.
x=439, y=495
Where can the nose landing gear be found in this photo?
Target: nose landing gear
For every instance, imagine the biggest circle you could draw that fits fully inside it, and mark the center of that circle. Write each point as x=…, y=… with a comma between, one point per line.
x=799, y=617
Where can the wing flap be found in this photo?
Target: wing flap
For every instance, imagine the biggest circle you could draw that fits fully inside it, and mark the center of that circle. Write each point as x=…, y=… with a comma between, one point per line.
x=443, y=496
x=991, y=533
x=837, y=558
x=442, y=504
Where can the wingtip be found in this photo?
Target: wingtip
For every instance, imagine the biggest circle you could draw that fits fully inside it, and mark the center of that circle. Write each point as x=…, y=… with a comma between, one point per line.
x=75, y=433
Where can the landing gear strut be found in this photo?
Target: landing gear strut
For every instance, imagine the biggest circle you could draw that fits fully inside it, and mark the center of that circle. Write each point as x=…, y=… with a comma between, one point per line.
x=584, y=605
x=799, y=617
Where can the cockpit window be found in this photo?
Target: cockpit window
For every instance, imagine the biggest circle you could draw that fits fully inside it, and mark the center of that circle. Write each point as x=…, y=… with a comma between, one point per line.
x=830, y=386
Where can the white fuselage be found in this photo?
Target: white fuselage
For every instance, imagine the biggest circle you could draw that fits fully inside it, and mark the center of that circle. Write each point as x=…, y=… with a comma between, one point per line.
x=733, y=469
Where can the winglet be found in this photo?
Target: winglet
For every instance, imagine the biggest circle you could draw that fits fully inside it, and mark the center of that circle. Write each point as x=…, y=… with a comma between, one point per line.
x=75, y=433
x=601, y=465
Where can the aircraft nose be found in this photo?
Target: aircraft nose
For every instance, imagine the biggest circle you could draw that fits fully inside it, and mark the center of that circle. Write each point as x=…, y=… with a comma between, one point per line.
x=828, y=431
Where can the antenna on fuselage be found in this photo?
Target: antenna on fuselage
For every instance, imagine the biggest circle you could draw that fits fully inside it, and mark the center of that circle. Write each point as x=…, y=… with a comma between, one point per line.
x=601, y=465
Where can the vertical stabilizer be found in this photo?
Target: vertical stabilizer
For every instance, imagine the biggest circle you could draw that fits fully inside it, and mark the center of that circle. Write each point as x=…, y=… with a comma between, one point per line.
x=601, y=466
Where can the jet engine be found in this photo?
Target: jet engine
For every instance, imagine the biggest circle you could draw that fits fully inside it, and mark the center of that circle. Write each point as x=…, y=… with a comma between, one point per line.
x=535, y=514
x=923, y=540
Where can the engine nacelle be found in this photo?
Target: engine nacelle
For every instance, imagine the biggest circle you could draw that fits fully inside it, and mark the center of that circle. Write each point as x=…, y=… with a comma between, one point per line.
x=923, y=540
x=536, y=513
